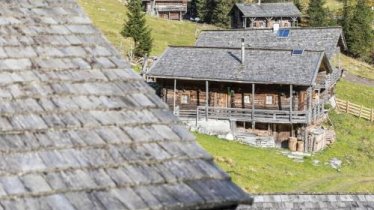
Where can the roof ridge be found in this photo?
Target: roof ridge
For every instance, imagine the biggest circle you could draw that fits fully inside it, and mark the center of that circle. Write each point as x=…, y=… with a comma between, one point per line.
x=266, y=29
x=266, y=3
x=248, y=48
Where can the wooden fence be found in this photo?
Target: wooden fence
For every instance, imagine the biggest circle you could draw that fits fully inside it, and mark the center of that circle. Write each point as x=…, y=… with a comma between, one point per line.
x=355, y=109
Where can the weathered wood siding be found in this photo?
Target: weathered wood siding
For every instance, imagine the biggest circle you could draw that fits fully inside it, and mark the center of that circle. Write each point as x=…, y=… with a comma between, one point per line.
x=232, y=95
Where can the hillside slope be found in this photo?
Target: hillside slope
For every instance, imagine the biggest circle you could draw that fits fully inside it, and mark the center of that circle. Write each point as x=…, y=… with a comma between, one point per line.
x=109, y=17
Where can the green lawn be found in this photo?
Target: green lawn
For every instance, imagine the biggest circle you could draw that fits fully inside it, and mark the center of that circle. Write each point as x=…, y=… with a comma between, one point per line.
x=354, y=66
x=267, y=170
x=109, y=17
x=356, y=93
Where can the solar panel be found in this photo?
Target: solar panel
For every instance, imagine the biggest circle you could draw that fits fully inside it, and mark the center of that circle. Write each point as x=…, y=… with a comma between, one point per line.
x=297, y=52
x=283, y=32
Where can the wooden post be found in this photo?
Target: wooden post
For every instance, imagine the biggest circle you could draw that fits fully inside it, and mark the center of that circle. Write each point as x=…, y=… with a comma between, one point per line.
x=175, y=95
x=347, y=106
x=244, y=22
x=311, y=105
x=253, y=106
x=305, y=139
x=291, y=104
x=206, y=99
x=372, y=115
x=252, y=21
x=197, y=115
x=359, y=115
x=308, y=92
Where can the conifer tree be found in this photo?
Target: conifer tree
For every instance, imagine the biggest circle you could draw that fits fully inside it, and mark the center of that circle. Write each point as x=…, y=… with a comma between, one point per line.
x=298, y=5
x=346, y=19
x=220, y=15
x=136, y=28
x=318, y=15
x=359, y=32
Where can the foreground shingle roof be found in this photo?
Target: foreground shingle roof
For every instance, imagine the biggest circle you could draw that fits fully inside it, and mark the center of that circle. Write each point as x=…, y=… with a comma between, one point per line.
x=80, y=130
x=329, y=201
x=269, y=10
x=224, y=64
x=325, y=39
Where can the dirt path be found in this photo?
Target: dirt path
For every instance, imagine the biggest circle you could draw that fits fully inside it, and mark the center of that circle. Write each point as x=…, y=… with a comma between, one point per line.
x=357, y=79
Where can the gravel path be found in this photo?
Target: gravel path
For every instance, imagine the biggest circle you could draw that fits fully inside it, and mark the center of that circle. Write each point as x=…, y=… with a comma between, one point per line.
x=357, y=79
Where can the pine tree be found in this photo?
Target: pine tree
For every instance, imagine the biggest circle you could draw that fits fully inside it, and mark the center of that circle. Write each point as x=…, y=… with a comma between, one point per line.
x=298, y=5
x=220, y=15
x=346, y=19
x=360, y=34
x=318, y=15
x=136, y=28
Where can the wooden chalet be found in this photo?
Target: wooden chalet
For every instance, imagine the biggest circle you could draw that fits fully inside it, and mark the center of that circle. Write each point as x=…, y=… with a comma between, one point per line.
x=277, y=91
x=168, y=9
x=264, y=15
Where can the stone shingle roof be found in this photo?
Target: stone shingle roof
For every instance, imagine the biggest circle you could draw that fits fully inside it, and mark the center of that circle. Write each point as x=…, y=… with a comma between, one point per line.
x=326, y=39
x=269, y=10
x=80, y=130
x=328, y=201
x=224, y=64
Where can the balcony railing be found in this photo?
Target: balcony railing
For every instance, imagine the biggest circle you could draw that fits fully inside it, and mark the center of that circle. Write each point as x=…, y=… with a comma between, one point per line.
x=258, y=115
x=175, y=8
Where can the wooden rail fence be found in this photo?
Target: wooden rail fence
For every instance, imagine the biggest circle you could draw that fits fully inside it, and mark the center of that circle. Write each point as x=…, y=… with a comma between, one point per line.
x=355, y=109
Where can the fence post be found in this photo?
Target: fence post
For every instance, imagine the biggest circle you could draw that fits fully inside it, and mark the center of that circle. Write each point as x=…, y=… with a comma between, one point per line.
x=347, y=106
x=372, y=115
x=359, y=115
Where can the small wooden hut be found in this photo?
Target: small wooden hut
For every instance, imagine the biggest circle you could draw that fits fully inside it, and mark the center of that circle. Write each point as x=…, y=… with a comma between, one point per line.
x=167, y=9
x=264, y=15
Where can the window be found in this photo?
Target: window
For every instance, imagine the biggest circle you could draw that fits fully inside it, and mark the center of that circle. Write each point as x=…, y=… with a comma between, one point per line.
x=185, y=99
x=269, y=100
x=283, y=32
x=297, y=52
x=247, y=100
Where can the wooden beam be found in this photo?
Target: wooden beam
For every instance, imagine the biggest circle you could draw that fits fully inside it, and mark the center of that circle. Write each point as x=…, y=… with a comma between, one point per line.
x=206, y=99
x=310, y=104
x=175, y=95
x=253, y=106
x=291, y=104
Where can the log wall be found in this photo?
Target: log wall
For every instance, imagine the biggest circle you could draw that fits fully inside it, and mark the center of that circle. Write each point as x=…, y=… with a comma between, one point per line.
x=191, y=94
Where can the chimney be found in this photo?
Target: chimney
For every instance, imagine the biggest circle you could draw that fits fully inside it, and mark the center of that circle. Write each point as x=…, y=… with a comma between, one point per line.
x=243, y=51
x=259, y=2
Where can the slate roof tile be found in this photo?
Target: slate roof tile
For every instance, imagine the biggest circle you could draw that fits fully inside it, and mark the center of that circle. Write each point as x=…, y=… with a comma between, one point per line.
x=269, y=10
x=321, y=39
x=279, y=67
x=79, y=129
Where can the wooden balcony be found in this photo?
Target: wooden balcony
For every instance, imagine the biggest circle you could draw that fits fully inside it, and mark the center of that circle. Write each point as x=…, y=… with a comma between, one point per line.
x=258, y=115
x=331, y=79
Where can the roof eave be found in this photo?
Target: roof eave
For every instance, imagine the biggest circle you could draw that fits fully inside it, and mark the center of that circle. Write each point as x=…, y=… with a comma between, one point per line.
x=222, y=80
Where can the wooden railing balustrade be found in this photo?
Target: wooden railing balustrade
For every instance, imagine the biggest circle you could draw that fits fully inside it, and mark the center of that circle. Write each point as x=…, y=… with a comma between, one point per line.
x=259, y=115
x=355, y=109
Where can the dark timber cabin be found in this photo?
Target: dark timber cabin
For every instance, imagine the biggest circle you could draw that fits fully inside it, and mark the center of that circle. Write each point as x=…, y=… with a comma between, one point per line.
x=264, y=15
x=275, y=91
x=167, y=9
